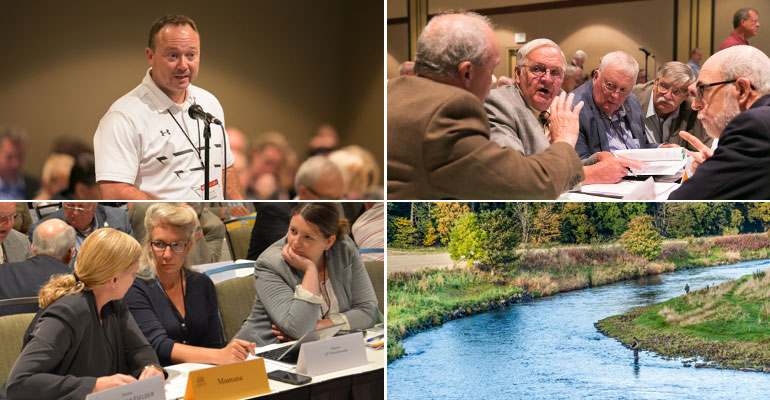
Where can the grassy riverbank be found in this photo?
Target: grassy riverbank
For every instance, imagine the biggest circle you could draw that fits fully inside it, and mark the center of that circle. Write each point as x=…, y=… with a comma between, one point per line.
x=727, y=326
x=418, y=301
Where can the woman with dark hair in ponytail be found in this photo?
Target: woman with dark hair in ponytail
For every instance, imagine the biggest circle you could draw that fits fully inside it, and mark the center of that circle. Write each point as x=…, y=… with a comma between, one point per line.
x=84, y=340
x=310, y=279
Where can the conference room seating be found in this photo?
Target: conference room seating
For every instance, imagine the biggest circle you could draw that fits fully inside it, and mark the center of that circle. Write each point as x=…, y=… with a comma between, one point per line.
x=18, y=305
x=238, y=234
x=236, y=299
x=376, y=271
x=12, y=328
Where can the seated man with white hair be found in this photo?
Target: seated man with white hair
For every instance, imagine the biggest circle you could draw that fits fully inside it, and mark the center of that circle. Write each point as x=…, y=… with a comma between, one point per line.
x=318, y=178
x=667, y=107
x=611, y=119
x=519, y=115
x=732, y=97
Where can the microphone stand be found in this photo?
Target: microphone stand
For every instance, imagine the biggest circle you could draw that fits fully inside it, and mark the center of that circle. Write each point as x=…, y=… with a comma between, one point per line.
x=206, y=142
x=646, y=54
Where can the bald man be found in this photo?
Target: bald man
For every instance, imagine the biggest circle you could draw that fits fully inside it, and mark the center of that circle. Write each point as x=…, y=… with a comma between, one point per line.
x=53, y=245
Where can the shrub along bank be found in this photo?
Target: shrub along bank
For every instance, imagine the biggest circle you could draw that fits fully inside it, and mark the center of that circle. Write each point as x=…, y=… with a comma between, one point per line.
x=418, y=301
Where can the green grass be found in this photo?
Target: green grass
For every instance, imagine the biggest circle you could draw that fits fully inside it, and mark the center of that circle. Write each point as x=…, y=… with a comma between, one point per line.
x=727, y=325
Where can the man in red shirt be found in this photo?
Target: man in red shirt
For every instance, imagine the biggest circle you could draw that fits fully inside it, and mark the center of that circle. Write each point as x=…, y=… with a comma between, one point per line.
x=746, y=24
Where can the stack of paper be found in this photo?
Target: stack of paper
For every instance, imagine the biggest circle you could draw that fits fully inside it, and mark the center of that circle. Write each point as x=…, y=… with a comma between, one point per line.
x=669, y=161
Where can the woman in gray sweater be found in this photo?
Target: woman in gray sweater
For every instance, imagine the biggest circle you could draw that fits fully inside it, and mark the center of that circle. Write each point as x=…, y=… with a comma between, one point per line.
x=310, y=279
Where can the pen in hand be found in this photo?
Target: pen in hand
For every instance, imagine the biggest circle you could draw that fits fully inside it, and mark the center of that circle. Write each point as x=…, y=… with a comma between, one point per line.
x=628, y=168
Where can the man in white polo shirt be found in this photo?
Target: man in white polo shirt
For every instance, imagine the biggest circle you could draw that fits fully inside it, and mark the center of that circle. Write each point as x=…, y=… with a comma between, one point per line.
x=146, y=145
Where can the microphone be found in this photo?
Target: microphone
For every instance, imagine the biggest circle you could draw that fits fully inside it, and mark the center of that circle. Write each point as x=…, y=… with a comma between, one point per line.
x=196, y=112
x=644, y=50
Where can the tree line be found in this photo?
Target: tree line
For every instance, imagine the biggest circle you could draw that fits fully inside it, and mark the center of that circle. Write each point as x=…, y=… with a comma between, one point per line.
x=513, y=224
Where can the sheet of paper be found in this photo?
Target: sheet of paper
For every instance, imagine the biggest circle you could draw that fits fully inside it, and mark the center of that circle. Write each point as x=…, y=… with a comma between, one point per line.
x=659, y=154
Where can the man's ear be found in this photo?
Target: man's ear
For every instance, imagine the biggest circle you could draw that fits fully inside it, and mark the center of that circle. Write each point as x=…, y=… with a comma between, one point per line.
x=464, y=73
x=743, y=87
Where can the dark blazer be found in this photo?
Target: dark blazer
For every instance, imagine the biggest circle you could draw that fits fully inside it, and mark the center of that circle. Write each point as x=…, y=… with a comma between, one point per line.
x=272, y=224
x=738, y=170
x=439, y=148
x=24, y=279
x=594, y=124
x=163, y=325
x=66, y=349
x=686, y=120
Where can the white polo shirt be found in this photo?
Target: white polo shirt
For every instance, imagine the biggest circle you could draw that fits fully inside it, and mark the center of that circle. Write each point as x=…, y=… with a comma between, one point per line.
x=147, y=140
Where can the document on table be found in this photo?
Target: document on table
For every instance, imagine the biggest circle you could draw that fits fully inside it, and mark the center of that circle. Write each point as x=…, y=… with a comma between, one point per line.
x=668, y=161
x=629, y=190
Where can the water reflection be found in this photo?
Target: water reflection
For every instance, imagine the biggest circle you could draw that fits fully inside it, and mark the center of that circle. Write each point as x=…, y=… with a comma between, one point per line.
x=550, y=349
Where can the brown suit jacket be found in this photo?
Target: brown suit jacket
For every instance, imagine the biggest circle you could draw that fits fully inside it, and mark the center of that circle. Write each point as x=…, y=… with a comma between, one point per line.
x=687, y=120
x=439, y=148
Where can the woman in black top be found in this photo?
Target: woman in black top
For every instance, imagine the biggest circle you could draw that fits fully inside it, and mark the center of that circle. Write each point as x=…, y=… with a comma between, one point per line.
x=84, y=340
x=176, y=307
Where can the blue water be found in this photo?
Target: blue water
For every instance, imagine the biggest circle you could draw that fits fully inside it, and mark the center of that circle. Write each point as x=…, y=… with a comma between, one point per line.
x=549, y=349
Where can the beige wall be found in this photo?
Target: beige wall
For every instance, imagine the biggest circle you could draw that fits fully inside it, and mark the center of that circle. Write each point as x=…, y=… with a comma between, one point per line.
x=273, y=65
x=595, y=29
x=723, y=21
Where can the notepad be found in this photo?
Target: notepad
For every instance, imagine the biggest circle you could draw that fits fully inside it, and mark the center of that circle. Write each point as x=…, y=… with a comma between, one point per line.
x=668, y=161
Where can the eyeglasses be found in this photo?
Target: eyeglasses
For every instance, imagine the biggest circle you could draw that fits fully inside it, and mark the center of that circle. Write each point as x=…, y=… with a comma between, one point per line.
x=612, y=88
x=665, y=88
x=70, y=207
x=176, y=247
x=7, y=218
x=700, y=86
x=539, y=70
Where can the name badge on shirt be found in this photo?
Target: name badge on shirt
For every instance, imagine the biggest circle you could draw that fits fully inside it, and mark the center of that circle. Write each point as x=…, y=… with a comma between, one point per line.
x=215, y=190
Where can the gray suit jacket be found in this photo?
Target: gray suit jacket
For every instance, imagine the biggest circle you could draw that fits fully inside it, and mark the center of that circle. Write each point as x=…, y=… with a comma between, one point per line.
x=275, y=282
x=15, y=247
x=512, y=123
x=106, y=217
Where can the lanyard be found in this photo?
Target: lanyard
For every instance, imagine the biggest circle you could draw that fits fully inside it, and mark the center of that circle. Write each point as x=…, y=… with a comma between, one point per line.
x=197, y=150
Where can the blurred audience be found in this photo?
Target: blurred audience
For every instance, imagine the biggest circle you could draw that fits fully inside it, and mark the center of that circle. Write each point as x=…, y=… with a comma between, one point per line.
x=318, y=178
x=14, y=185
x=406, y=68
x=325, y=141
x=56, y=175
x=82, y=181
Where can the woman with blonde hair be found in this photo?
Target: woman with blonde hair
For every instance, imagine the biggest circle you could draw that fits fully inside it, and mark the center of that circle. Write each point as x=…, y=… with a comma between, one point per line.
x=84, y=340
x=177, y=308
x=310, y=279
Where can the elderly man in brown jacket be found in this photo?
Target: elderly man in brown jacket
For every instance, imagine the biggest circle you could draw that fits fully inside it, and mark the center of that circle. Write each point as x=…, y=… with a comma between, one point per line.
x=438, y=132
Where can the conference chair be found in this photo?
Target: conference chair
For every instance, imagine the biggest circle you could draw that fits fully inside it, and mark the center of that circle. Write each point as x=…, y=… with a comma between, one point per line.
x=18, y=305
x=12, y=328
x=236, y=299
x=376, y=271
x=238, y=234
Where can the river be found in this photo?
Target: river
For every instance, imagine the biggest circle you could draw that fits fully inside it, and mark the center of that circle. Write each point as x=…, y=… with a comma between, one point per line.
x=549, y=349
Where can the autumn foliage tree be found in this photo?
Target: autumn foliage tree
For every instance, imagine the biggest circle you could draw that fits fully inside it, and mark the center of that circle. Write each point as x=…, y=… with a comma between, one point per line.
x=641, y=238
x=444, y=216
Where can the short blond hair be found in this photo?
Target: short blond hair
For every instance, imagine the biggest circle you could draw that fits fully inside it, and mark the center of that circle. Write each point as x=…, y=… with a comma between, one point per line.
x=165, y=214
x=105, y=253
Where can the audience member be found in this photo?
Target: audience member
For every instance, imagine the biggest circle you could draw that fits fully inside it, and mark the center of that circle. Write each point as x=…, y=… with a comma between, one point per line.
x=175, y=307
x=325, y=141
x=519, y=117
x=745, y=26
x=406, y=68
x=84, y=339
x=271, y=224
x=146, y=145
x=438, y=133
x=739, y=117
x=504, y=81
x=695, y=58
x=579, y=59
x=14, y=185
x=239, y=145
x=212, y=231
x=56, y=175
x=611, y=119
x=667, y=108
x=82, y=182
x=369, y=232
x=311, y=279
x=572, y=77
x=267, y=155
x=318, y=178
x=87, y=218
x=641, y=77
x=358, y=173
x=53, y=246
x=14, y=245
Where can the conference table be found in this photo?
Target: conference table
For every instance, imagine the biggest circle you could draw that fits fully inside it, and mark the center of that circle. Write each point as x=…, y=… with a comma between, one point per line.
x=363, y=382
x=626, y=190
